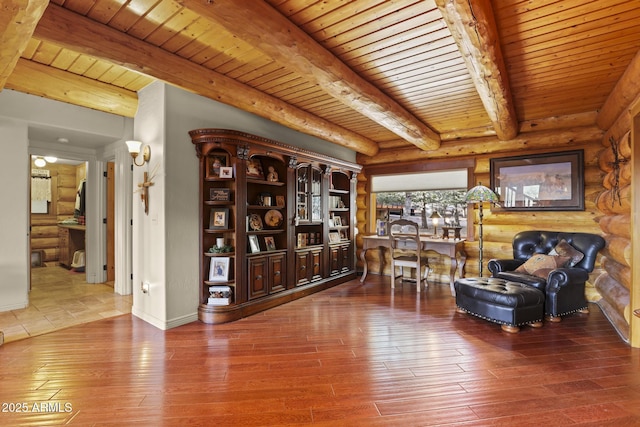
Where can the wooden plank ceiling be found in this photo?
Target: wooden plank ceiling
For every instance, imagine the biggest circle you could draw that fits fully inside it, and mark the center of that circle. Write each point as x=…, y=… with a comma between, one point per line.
x=366, y=74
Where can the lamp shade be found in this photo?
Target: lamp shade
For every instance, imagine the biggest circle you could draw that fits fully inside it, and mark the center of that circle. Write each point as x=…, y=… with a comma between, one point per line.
x=480, y=193
x=134, y=146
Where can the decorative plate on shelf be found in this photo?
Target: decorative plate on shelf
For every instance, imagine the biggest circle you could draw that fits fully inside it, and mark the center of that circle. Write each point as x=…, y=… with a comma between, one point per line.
x=273, y=218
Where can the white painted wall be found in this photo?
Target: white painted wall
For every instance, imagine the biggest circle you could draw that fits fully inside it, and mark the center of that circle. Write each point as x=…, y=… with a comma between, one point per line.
x=14, y=217
x=149, y=255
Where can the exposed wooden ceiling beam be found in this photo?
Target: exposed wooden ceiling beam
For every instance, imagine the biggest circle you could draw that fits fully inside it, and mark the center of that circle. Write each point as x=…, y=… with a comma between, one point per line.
x=548, y=139
x=17, y=23
x=52, y=83
x=475, y=32
x=272, y=33
x=625, y=91
x=83, y=35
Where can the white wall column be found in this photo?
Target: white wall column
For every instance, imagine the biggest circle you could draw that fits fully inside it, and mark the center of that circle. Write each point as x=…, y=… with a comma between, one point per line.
x=14, y=219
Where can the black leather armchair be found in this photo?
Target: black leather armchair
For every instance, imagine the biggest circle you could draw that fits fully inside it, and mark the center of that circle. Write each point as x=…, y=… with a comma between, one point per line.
x=564, y=287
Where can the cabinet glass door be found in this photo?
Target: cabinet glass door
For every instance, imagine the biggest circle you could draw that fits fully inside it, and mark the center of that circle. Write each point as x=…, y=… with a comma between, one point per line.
x=316, y=195
x=302, y=194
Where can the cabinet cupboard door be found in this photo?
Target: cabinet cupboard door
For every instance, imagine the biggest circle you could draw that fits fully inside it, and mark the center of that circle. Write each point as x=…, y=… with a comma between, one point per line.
x=336, y=257
x=277, y=272
x=302, y=268
x=316, y=264
x=347, y=259
x=258, y=275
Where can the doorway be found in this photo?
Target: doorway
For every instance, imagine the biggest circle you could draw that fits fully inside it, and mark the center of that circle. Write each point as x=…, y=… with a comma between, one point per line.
x=59, y=291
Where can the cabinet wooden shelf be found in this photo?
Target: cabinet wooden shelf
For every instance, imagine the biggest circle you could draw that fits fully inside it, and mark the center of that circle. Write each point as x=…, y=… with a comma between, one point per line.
x=305, y=187
x=219, y=230
x=220, y=254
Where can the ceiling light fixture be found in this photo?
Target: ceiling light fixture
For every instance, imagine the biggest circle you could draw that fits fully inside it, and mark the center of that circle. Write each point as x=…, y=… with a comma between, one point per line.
x=51, y=159
x=40, y=162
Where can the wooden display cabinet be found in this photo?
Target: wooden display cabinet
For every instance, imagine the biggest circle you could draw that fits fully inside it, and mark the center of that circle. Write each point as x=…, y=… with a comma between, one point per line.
x=271, y=203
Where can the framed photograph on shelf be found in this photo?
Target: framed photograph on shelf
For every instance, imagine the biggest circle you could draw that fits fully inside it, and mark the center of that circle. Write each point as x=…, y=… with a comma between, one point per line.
x=254, y=246
x=216, y=161
x=219, y=194
x=337, y=221
x=269, y=243
x=280, y=201
x=553, y=181
x=254, y=169
x=219, y=218
x=219, y=269
x=334, y=237
x=226, y=172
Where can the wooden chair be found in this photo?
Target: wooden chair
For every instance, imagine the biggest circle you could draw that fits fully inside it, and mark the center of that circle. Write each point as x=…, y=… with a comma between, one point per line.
x=406, y=251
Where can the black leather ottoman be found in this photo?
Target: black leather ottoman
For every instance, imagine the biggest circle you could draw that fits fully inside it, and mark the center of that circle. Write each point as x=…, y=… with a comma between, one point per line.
x=510, y=304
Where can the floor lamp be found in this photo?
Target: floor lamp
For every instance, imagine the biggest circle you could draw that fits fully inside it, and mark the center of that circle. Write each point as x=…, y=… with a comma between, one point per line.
x=480, y=194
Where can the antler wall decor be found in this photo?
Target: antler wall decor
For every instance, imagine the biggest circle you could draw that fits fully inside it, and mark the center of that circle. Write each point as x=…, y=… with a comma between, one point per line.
x=617, y=161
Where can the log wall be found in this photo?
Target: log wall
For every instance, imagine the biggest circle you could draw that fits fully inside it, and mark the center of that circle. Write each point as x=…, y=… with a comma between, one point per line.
x=614, y=201
x=499, y=227
x=44, y=227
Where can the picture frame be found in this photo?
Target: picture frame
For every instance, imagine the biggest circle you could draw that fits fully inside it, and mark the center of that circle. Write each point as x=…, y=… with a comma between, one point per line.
x=254, y=168
x=219, y=219
x=269, y=243
x=334, y=237
x=254, y=222
x=280, y=201
x=337, y=221
x=226, y=172
x=219, y=269
x=254, y=245
x=219, y=194
x=216, y=161
x=551, y=181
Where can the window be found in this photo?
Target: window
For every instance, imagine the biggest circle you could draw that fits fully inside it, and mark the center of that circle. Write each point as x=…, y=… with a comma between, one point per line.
x=423, y=196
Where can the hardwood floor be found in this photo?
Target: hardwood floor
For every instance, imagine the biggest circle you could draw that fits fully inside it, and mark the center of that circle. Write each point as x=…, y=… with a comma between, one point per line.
x=353, y=355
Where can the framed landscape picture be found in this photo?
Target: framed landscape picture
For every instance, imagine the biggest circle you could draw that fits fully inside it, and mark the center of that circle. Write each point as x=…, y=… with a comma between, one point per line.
x=553, y=181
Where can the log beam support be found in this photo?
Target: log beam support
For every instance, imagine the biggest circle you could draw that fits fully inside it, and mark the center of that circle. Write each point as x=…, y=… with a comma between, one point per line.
x=84, y=35
x=474, y=29
x=272, y=33
x=17, y=23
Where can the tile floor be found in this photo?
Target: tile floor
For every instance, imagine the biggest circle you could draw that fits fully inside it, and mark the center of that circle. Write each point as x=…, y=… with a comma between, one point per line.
x=60, y=298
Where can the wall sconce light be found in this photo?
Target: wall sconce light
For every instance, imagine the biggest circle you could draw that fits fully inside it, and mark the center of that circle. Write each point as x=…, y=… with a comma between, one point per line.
x=134, y=149
x=40, y=162
x=435, y=218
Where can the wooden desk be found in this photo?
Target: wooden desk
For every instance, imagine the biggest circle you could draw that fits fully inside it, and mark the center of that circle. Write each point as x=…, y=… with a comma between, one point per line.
x=71, y=240
x=454, y=249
